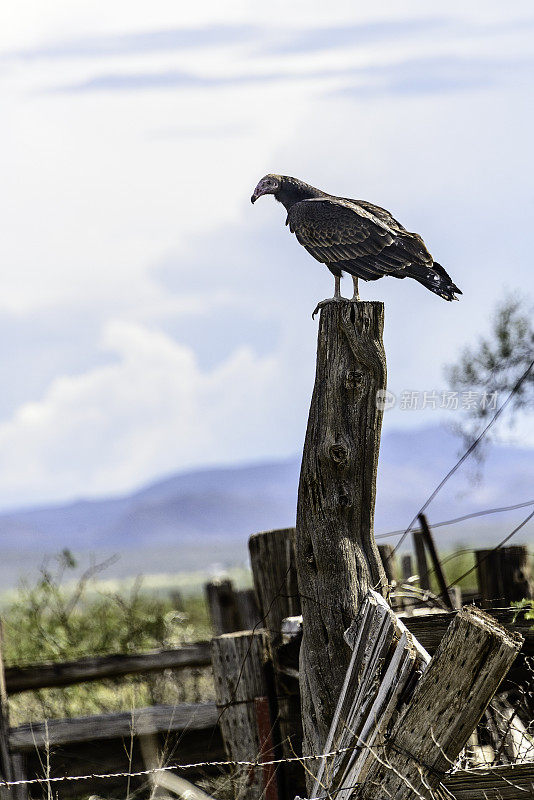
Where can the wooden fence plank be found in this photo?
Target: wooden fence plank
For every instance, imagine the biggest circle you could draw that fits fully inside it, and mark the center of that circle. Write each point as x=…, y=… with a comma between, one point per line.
x=504, y=575
x=272, y=557
x=240, y=678
x=117, y=755
x=448, y=701
x=384, y=660
x=429, y=629
x=222, y=606
x=95, y=668
x=510, y=782
x=154, y=719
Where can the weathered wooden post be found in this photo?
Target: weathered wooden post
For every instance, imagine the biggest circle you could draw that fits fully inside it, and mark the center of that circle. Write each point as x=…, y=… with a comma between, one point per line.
x=247, y=609
x=389, y=561
x=272, y=558
x=222, y=606
x=6, y=762
x=241, y=688
x=504, y=575
x=337, y=558
x=436, y=563
x=420, y=558
x=407, y=573
x=391, y=568
x=407, y=568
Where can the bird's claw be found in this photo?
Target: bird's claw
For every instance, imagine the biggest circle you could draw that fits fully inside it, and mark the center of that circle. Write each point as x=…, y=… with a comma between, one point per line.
x=324, y=303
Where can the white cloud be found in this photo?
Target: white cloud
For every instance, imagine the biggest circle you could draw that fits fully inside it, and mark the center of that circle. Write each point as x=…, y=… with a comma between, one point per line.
x=153, y=408
x=99, y=187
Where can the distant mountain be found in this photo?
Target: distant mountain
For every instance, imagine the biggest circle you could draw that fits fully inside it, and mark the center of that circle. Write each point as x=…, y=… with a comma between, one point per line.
x=193, y=519
x=216, y=503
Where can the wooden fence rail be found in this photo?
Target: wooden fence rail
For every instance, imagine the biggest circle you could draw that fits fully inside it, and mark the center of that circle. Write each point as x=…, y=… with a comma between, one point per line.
x=429, y=629
x=95, y=668
x=113, y=744
x=509, y=782
x=139, y=722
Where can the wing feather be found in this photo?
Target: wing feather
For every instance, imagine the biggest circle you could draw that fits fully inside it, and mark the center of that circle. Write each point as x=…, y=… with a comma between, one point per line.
x=344, y=234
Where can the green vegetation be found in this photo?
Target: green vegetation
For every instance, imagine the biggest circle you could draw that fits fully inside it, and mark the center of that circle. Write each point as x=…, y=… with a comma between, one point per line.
x=456, y=564
x=60, y=619
x=47, y=622
x=526, y=607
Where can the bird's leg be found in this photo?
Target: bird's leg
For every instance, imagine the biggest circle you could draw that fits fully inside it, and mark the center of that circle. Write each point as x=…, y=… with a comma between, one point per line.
x=356, y=295
x=336, y=298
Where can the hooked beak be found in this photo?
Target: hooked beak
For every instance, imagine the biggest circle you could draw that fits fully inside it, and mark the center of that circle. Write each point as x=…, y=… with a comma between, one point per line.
x=261, y=189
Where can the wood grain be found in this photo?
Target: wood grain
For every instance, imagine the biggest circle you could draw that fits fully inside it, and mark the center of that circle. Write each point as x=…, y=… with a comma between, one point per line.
x=238, y=669
x=430, y=628
x=272, y=559
x=337, y=558
x=97, y=668
x=155, y=719
x=449, y=699
x=510, y=782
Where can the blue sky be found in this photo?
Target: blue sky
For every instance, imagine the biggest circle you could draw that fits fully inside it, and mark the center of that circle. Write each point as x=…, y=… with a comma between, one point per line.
x=152, y=319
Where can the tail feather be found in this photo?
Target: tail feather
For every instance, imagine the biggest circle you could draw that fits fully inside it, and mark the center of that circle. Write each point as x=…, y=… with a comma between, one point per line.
x=435, y=278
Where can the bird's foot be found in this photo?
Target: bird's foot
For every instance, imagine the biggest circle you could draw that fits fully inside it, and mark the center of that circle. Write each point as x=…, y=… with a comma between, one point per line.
x=323, y=303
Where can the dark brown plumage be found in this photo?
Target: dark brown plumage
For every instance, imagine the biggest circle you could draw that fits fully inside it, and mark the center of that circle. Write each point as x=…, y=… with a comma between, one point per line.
x=355, y=236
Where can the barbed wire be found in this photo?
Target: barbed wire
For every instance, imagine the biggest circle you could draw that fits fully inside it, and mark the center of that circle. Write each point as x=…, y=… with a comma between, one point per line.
x=229, y=763
x=273, y=762
x=256, y=626
x=256, y=764
x=472, y=447
x=471, y=515
x=493, y=550
x=195, y=765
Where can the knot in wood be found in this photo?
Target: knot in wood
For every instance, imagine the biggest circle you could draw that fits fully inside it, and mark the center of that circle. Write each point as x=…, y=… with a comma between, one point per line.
x=339, y=453
x=344, y=497
x=353, y=379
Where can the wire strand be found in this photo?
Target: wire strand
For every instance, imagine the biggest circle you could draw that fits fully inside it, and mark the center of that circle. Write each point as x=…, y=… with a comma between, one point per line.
x=196, y=765
x=471, y=515
x=466, y=455
x=497, y=547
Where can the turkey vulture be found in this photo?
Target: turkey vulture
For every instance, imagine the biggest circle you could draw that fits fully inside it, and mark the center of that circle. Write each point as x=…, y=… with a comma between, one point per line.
x=354, y=236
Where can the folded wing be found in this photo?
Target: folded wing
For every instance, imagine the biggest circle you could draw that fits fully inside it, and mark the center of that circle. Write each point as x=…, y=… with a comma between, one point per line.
x=349, y=237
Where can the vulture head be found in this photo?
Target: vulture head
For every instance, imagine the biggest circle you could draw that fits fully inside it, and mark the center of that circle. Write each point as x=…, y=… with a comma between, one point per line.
x=270, y=184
